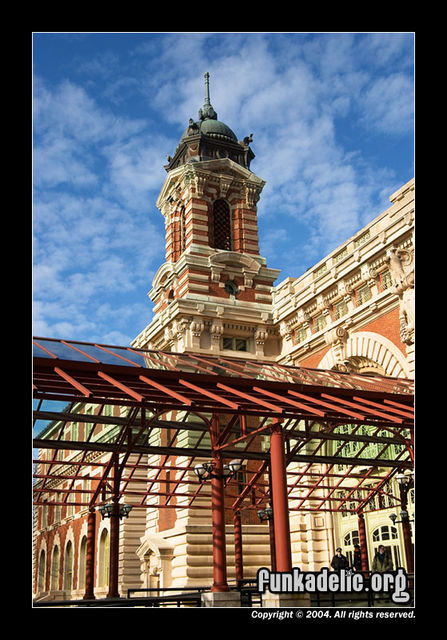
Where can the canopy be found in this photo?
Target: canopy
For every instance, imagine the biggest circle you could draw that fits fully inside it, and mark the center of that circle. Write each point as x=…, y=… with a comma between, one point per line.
x=345, y=434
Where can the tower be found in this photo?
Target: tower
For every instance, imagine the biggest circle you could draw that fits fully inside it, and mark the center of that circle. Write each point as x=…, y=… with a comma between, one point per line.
x=213, y=292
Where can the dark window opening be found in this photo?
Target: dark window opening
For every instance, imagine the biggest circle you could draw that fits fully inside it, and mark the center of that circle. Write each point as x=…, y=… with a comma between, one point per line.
x=221, y=226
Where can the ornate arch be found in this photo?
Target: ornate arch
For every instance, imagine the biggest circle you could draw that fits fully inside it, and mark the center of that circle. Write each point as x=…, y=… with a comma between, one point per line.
x=365, y=351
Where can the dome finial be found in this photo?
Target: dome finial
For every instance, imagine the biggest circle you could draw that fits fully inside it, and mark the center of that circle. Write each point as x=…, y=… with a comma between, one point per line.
x=207, y=89
x=207, y=112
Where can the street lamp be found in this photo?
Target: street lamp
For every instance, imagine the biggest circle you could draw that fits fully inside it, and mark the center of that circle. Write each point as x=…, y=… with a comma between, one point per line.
x=205, y=470
x=405, y=482
x=106, y=510
x=265, y=514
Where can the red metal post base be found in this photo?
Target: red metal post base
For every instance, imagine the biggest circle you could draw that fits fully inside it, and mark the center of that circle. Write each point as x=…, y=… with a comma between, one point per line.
x=90, y=556
x=279, y=499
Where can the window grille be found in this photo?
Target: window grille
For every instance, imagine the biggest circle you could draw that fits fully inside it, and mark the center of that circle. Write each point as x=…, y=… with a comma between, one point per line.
x=362, y=239
x=363, y=295
x=339, y=257
x=221, y=226
x=235, y=344
x=319, y=323
x=320, y=271
x=386, y=280
x=340, y=309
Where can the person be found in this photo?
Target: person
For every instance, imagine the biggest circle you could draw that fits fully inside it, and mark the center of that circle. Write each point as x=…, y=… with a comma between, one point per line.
x=357, y=560
x=382, y=560
x=339, y=561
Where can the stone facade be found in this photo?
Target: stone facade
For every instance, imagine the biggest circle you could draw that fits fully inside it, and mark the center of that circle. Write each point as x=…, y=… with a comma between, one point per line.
x=215, y=294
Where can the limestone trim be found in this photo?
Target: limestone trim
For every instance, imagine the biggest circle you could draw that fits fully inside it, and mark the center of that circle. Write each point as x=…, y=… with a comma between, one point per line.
x=375, y=348
x=156, y=554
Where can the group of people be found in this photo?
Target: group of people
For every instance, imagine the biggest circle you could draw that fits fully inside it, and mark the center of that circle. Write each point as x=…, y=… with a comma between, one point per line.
x=381, y=562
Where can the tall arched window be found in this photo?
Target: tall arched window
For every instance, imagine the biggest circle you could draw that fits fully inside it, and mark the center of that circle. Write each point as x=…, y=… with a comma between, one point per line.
x=349, y=541
x=388, y=536
x=55, y=569
x=41, y=571
x=82, y=563
x=68, y=567
x=221, y=227
x=104, y=553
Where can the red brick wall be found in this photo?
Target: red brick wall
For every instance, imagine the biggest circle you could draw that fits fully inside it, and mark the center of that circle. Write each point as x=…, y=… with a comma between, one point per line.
x=387, y=325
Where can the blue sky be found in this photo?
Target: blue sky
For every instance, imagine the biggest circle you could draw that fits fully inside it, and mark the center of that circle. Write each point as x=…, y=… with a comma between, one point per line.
x=332, y=122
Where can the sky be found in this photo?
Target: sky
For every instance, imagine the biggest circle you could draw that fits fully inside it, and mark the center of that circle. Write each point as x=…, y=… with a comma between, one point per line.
x=332, y=117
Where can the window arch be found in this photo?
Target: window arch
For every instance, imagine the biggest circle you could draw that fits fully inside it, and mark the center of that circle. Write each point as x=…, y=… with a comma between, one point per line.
x=41, y=571
x=82, y=562
x=104, y=554
x=349, y=540
x=388, y=536
x=221, y=226
x=68, y=566
x=55, y=569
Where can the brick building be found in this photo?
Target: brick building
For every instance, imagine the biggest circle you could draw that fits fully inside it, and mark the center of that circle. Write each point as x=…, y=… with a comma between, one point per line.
x=215, y=294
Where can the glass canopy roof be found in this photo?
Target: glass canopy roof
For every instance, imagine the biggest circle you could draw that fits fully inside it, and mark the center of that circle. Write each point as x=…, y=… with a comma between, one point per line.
x=83, y=352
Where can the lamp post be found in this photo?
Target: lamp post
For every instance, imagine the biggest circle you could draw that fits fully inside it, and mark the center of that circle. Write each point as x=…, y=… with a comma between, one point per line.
x=218, y=472
x=115, y=512
x=405, y=482
x=207, y=470
x=106, y=510
x=263, y=515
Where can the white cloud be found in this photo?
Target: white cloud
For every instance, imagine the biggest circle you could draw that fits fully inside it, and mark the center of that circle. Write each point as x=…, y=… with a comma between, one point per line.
x=99, y=237
x=388, y=105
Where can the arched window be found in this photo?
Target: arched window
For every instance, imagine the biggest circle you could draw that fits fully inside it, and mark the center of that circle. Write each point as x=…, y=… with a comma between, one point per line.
x=349, y=541
x=388, y=536
x=55, y=569
x=41, y=571
x=68, y=567
x=82, y=562
x=221, y=227
x=104, y=553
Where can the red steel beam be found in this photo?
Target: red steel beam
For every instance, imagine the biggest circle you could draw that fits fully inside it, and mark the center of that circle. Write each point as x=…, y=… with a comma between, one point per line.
x=209, y=394
x=406, y=414
x=326, y=404
x=166, y=390
x=121, y=386
x=67, y=344
x=250, y=398
x=77, y=385
x=293, y=403
x=355, y=405
x=116, y=355
x=398, y=404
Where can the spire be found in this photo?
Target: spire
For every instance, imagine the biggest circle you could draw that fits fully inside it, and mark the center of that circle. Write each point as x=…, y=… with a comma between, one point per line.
x=207, y=113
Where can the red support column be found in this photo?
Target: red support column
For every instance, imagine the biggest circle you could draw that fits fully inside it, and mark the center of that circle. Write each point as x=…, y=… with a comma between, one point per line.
x=363, y=541
x=238, y=558
x=406, y=530
x=279, y=499
x=90, y=556
x=272, y=546
x=218, y=517
x=114, y=551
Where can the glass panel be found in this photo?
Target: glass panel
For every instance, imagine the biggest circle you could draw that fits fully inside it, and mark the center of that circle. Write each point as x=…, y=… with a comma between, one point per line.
x=60, y=350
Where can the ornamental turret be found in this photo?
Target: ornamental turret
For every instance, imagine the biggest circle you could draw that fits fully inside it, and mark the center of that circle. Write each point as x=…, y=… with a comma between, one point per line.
x=214, y=290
